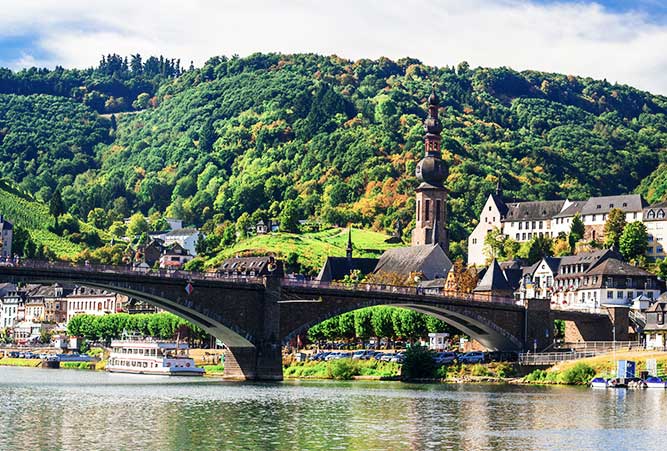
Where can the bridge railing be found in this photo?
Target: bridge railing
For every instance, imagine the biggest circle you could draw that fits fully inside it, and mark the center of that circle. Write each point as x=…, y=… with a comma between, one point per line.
x=602, y=346
x=289, y=282
x=551, y=358
x=119, y=269
x=409, y=290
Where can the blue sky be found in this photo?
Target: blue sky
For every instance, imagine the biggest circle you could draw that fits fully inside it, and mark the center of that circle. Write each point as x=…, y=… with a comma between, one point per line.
x=619, y=40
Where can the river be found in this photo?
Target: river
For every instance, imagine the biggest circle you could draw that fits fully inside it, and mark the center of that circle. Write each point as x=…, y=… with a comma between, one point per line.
x=79, y=410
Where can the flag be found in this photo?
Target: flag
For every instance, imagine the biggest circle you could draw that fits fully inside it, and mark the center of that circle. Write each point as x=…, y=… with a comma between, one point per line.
x=189, y=288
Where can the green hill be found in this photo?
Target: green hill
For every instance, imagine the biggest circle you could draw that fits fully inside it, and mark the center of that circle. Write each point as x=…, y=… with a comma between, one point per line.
x=332, y=139
x=33, y=216
x=312, y=248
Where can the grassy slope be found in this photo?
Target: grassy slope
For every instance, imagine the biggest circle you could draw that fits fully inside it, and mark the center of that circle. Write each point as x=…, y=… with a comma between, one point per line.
x=605, y=365
x=312, y=248
x=24, y=211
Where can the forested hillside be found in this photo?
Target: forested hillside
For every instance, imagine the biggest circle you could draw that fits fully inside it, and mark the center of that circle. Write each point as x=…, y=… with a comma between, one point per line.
x=309, y=136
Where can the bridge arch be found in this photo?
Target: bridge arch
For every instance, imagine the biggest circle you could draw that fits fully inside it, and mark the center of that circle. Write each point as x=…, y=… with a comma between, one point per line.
x=229, y=334
x=467, y=321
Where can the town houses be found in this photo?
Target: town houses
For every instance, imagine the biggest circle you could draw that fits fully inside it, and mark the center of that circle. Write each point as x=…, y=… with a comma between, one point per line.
x=26, y=311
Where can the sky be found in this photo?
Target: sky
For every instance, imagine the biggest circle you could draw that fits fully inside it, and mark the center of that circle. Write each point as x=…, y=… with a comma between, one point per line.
x=621, y=41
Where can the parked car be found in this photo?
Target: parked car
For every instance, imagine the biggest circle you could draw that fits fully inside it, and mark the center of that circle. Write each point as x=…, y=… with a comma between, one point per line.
x=387, y=357
x=378, y=355
x=445, y=358
x=397, y=358
x=472, y=357
x=363, y=354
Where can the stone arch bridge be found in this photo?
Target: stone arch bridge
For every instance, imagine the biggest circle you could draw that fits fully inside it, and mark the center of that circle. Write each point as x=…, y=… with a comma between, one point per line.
x=255, y=316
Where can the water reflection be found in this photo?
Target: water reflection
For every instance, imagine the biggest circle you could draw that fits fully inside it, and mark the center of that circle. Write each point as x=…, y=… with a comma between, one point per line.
x=70, y=410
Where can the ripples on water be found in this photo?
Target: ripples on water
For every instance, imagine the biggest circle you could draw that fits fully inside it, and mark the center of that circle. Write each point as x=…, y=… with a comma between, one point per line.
x=73, y=410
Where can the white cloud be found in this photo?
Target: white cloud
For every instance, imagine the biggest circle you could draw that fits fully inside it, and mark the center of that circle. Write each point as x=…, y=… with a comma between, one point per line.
x=574, y=38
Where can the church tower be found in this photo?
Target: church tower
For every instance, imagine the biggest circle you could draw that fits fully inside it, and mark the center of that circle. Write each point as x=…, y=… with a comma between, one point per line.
x=431, y=215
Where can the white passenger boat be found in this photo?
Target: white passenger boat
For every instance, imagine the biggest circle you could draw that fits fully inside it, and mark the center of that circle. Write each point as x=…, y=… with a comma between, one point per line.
x=149, y=356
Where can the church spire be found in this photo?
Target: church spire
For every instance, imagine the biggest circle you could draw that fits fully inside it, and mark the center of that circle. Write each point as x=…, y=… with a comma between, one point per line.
x=349, y=244
x=499, y=190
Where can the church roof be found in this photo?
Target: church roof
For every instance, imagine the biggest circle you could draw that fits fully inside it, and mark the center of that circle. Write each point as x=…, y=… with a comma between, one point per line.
x=406, y=260
x=500, y=204
x=493, y=280
x=336, y=268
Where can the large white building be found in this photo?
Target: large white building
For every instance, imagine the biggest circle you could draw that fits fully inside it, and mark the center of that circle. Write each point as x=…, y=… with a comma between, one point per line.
x=522, y=221
x=91, y=301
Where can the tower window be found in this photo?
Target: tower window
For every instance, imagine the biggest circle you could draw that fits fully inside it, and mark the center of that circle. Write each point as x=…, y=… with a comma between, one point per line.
x=437, y=209
x=419, y=207
x=427, y=208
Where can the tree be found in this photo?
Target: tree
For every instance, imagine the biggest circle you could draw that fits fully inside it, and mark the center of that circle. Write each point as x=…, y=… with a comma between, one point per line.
x=494, y=244
x=142, y=101
x=99, y=218
x=634, y=240
x=56, y=206
x=561, y=247
x=383, y=326
x=613, y=227
x=289, y=217
x=661, y=269
x=363, y=327
x=244, y=225
x=535, y=249
x=137, y=225
x=207, y=136
x=577, y=229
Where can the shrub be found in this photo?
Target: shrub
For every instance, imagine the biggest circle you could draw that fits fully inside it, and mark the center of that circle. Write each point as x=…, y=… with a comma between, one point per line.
x=418, y=362
x=342, y=369
x=536, y=376
x=505, y=370
x=579, y=374
x=479, y=370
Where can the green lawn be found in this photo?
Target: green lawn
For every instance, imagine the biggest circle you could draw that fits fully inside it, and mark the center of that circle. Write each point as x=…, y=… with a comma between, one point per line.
x=312, y=248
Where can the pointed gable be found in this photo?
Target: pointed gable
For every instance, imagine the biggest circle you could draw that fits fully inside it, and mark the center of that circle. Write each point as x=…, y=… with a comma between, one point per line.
x=494, y=280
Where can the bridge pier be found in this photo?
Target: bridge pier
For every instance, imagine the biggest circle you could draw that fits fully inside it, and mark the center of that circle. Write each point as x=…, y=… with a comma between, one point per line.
x=264, y=361
x=538, y=325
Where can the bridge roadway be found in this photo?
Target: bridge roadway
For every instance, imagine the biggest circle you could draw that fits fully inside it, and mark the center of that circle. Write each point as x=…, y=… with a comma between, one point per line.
x=255, y=316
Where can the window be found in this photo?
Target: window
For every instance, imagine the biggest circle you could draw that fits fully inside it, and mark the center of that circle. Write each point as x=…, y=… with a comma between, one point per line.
x=518, y=236
x=534, y=223
x=427, y=210
x=611, y=205
x=630, y=296
x=520, y=225
x=523, y=236
x=489, y=207
x=541, y=224
x=661, y=214
x=437, y=210
x=419, y=208
x=634, y=215
x=650, y=214
x=658, y=250
x=649, y=250
x=610, y=295
x=599, y=206
x=593, y=218
x=530, y=236
x=619, y=295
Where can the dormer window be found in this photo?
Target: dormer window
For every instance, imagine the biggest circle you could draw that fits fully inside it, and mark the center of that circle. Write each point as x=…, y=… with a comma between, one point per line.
x=599, y=206
x=625, y=204
x=650, y=214
x=611, y=205
x=661, y=214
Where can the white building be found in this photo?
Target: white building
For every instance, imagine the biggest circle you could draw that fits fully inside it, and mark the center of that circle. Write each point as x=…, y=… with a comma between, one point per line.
x=655, y=220
x=186, y=238
x=6, y=236
x=91, y=301
x=13, y=308
x=491, y=216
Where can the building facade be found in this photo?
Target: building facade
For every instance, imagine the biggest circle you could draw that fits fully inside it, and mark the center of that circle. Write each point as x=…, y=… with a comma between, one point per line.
x=91, y=301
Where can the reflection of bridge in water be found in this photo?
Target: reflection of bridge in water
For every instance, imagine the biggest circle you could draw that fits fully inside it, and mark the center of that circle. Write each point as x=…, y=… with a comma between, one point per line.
x=255, y=316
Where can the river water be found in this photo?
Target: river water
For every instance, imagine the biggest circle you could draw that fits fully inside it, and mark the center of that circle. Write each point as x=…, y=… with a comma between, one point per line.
x=80, y=410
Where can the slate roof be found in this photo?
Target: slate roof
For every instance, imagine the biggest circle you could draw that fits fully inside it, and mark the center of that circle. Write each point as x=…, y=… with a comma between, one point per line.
x=528, y=211
x=590, y=259
x=406, y=260
x=627, y=202
x=500, y=204
x=572, y=209
x=246, y=265
x=336, y=268
x=493, y=280
x=655, y=208
x=4, y=224
x=615, y=267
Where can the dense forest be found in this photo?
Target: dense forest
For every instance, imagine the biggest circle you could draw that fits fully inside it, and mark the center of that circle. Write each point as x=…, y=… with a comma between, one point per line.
x=318, y=137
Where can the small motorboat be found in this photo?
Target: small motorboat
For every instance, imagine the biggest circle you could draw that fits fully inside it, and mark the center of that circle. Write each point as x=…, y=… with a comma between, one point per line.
x=599, y=382
x=655, y=382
